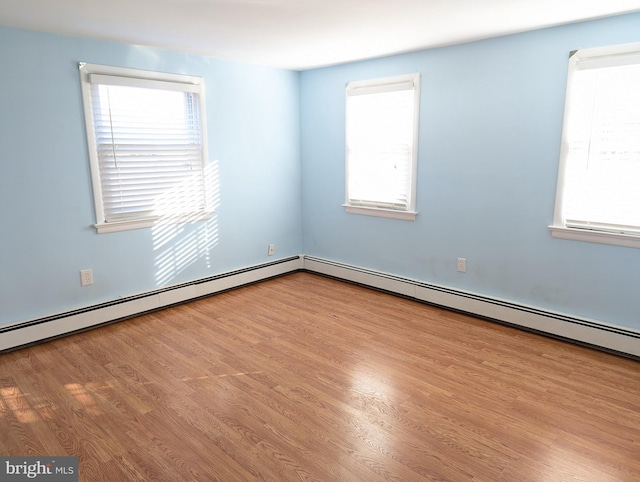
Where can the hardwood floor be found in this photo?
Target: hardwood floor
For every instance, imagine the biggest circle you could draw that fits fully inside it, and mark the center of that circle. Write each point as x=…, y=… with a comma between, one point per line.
x=306, y=378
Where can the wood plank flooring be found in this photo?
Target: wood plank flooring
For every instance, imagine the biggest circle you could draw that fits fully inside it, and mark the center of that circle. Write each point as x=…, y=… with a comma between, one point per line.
x=307, y=378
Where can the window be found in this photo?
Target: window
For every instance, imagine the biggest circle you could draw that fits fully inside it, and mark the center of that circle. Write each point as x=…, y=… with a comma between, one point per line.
x=598, y=196
x=381, y=146
x=147, y=146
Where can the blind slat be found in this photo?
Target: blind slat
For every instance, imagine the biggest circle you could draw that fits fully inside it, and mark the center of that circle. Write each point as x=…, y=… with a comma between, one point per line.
x=115, y=80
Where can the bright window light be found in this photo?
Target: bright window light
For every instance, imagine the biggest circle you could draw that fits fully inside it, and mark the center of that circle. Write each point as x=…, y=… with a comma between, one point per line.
x=147, y=150
x=600, y=161
x=381, y=141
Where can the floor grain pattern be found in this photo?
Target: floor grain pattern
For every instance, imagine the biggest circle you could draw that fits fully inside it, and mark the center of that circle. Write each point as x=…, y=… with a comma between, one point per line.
x=307, y=378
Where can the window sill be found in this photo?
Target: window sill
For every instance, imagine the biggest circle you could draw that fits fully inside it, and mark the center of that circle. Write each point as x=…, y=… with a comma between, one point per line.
x=380, y=212
x=615, y=239
x=116, y=226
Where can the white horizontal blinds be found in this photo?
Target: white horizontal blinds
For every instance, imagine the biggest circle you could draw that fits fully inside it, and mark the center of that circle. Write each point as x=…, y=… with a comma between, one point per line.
x=602, y=190
x=380, y=140
x=149, y=148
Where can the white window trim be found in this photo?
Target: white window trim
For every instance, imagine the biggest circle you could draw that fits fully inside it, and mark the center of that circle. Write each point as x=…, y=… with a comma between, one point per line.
x=380, y=212
x=562, y=228
x=136, y=77
x=410, y=213
x=576, y=234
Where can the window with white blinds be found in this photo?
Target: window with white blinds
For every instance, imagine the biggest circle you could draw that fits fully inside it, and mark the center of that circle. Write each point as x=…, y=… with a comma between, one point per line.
x=147, y=147
x=381, y=146
x=598, y=195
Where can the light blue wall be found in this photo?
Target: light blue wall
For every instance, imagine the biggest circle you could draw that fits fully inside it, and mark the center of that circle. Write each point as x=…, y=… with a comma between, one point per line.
x=46, y=209
x=490, y=128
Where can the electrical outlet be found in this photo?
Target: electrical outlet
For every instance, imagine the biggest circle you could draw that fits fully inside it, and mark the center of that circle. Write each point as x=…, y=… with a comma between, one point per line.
x=86, y=277
x=272, y=249
x=462, y=265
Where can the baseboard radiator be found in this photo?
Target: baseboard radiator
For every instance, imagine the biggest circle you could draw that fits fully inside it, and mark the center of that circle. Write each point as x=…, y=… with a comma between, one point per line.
x=41, y=329
x=593, y=333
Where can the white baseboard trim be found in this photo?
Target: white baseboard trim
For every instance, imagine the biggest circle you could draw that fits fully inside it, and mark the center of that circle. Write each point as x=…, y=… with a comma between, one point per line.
x=28, y=332
x=598, y=334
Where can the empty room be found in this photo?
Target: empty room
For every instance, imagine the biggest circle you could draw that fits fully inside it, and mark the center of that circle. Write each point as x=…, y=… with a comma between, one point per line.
x=285, y=240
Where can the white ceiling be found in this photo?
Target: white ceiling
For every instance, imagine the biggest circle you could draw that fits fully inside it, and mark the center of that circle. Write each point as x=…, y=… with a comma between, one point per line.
x=299, y=34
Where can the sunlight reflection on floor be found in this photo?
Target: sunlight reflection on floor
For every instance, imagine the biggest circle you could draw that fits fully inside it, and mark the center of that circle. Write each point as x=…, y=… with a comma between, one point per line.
x=16, y=402
x=82, y=396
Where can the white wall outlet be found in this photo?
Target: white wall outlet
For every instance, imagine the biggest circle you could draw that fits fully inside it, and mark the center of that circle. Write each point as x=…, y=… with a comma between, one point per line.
x=86, y=277
x=462, y=265
x=272, y=249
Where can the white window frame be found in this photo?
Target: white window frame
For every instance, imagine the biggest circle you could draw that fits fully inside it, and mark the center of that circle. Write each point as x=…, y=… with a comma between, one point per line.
x=374, y=86
x=102, y=74
x=562, y=228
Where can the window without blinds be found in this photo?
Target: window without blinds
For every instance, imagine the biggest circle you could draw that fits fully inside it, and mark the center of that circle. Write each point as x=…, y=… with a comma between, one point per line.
x=600, y=163
x=147, y=152
x=381, y=139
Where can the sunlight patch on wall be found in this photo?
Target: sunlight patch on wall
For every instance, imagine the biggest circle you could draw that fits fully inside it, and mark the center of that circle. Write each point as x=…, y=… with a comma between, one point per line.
x=178, y=245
